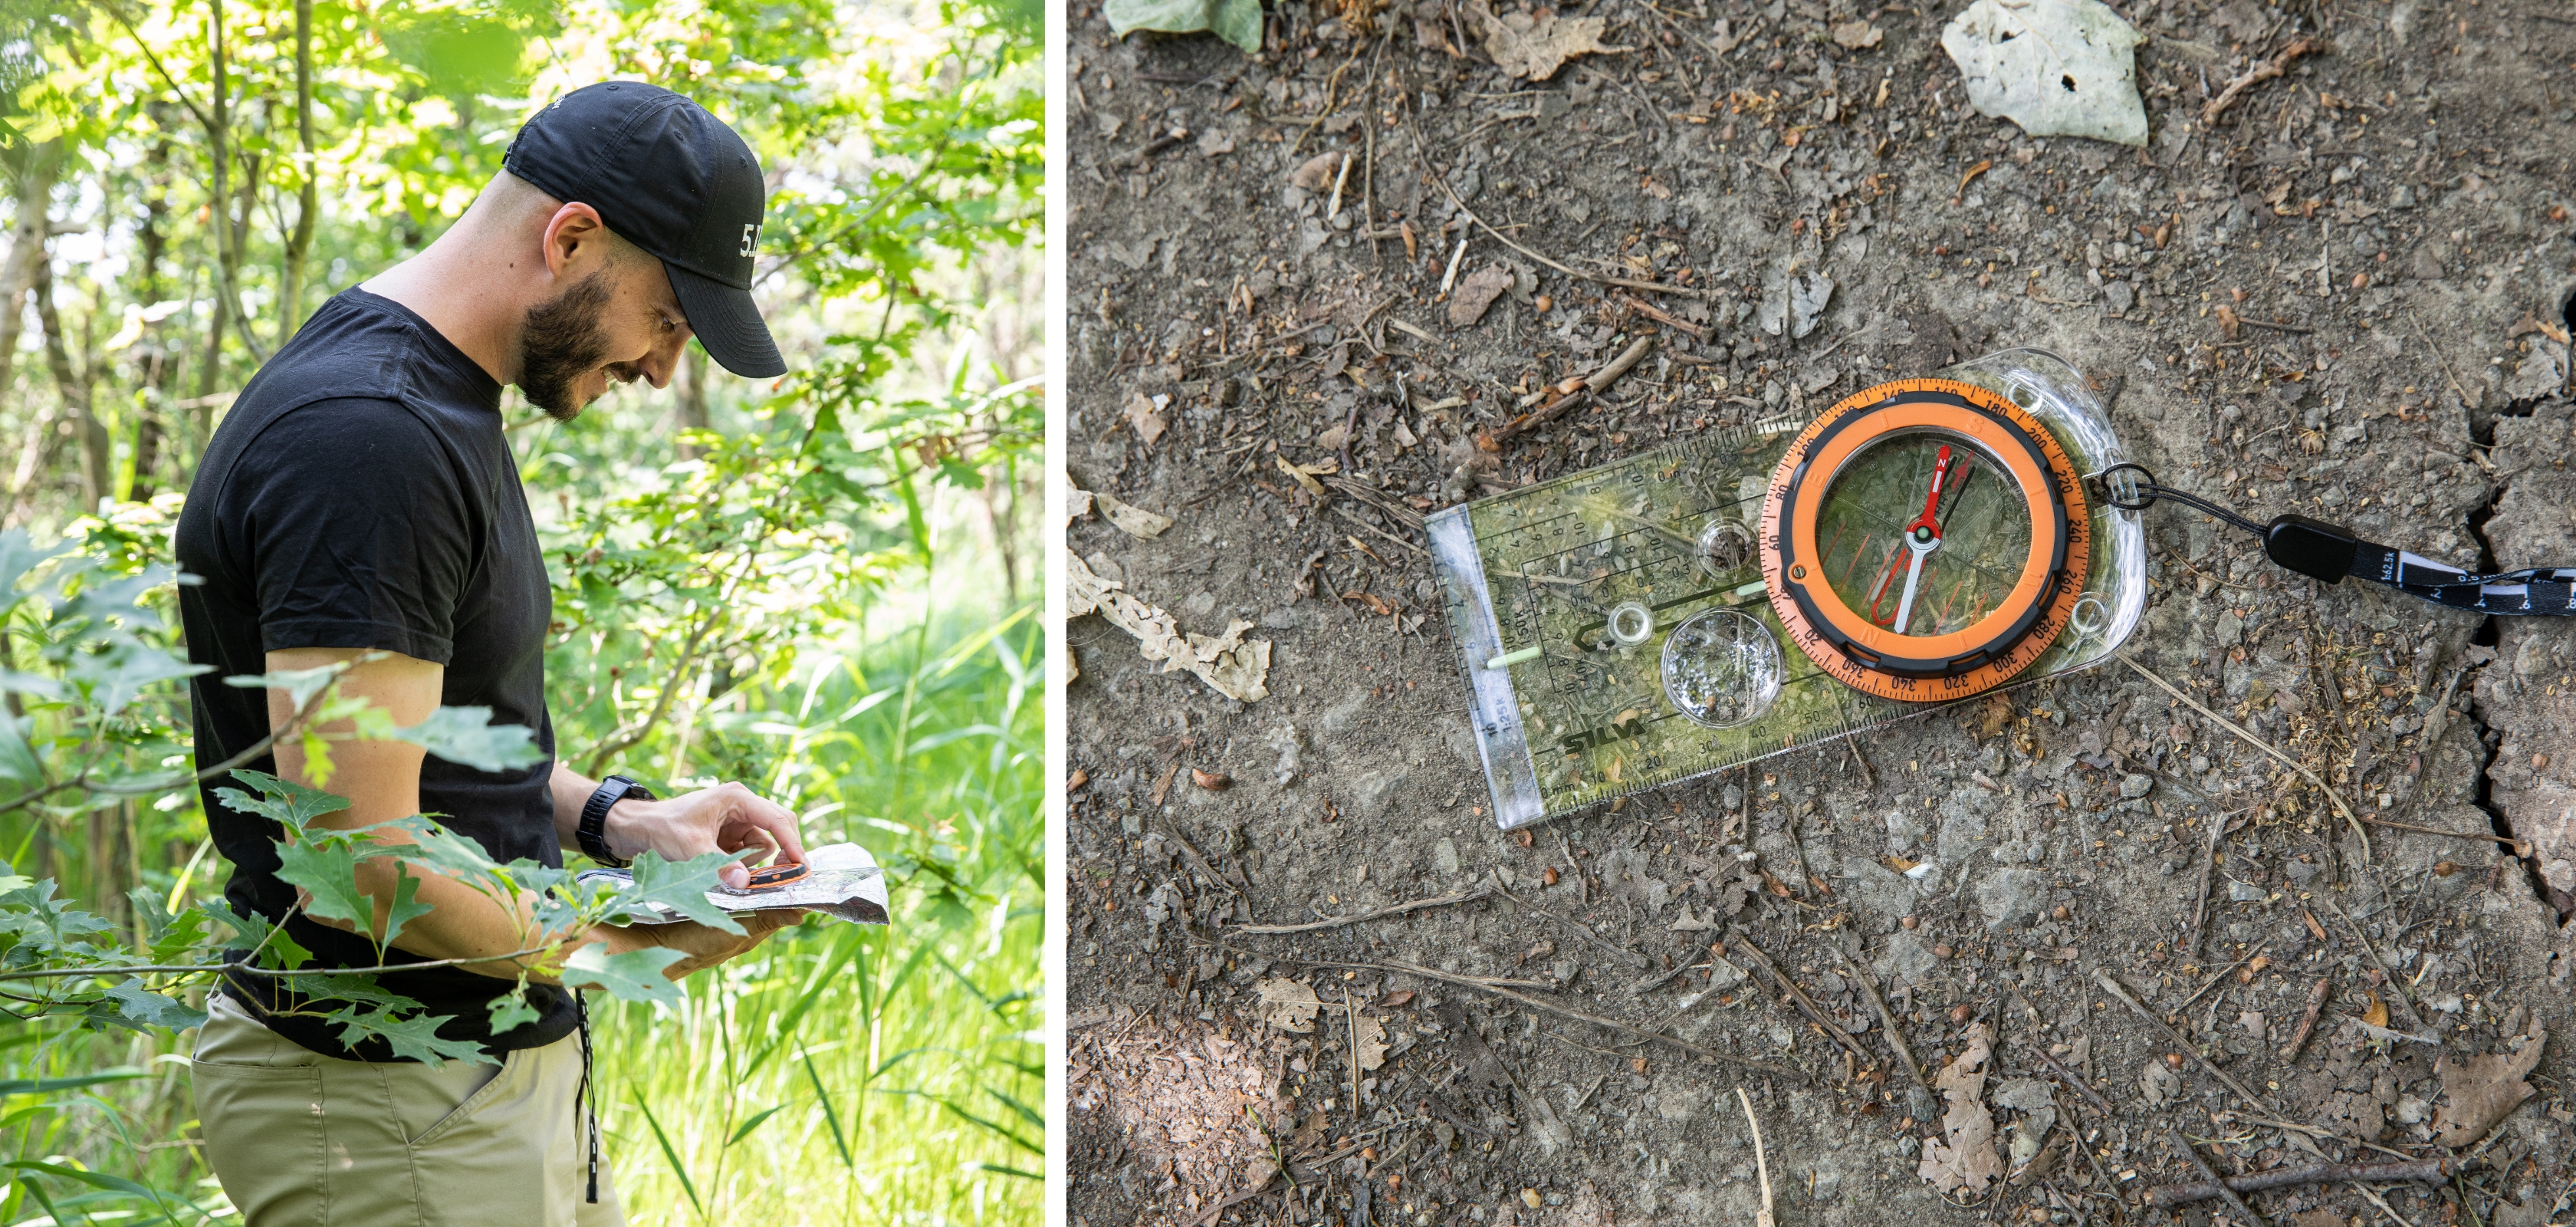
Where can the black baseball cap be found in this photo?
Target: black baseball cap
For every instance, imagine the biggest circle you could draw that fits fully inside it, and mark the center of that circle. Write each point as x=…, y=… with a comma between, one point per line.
x=673, y=180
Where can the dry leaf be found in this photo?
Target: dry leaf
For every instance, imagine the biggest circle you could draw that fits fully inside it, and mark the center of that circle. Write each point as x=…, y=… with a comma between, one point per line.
x=1145, y=418
x=2227, y=321
x=1993, y=716
x=1236, y=667
x=1288, y=1005
x=2377, y=1014
x=1077, y=505
x=1316, y=173
x=1399, y=999
x=1303, y=477
x=1213, y=781
x=2484, y=1092
x=2056, y=67
x=1964, y=1158
x=1476, y=293
x=1132, y=520
x=1533, y=48
x=2253, y=969
x=1372, y=1042
x=1856, y=34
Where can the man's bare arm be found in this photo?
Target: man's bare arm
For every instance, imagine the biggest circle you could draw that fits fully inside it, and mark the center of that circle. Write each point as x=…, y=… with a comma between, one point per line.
x=381, y=780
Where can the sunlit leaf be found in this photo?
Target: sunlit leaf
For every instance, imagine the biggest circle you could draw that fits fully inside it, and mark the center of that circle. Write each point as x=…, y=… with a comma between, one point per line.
x=633, y=976
x=467, y=735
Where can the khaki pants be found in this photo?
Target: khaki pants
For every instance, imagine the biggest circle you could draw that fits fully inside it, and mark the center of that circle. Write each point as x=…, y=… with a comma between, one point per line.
x=304, y=1139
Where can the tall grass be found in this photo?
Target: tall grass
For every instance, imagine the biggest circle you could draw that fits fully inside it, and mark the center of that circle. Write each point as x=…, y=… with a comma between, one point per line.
x=839, y=1074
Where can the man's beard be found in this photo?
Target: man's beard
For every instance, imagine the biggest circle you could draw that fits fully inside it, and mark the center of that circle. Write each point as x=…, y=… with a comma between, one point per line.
x=562, y=341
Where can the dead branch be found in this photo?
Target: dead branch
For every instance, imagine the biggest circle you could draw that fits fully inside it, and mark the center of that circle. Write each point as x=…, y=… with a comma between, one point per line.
x=2210, y=1175
x=2322, y=1173
x=1392, y=909
x=2260, y=73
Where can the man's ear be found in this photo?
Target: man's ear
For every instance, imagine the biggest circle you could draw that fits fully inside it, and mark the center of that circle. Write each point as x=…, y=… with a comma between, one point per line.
x=575, y=236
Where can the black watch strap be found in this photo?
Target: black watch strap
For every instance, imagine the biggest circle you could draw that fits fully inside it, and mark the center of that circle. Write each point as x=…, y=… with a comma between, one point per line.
x=592, y=833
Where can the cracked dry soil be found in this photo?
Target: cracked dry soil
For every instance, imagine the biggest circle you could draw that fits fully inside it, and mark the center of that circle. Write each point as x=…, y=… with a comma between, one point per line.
x=2388, y=225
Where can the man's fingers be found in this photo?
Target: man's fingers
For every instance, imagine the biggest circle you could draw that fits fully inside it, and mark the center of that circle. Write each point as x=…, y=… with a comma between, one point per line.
x=772, y=819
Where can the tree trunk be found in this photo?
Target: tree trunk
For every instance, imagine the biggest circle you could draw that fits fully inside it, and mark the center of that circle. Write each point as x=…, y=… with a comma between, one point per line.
x=26, y=249
x=691, y=408
x=308, y=197
x=159, y=372
x=72, y=384
x=219, y=155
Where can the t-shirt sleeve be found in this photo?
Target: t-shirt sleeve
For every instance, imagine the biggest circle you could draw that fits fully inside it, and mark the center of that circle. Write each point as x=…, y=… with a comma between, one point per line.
x=351, y=522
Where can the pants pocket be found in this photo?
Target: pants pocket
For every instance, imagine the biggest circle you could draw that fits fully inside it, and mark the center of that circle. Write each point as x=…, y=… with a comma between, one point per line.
x=265, y=1138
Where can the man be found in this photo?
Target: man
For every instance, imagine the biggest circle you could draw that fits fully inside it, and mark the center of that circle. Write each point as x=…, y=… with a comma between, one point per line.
x=359, y=503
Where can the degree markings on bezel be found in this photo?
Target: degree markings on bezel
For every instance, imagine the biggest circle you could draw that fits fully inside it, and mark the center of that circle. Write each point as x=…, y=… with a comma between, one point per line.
x=1997, y=644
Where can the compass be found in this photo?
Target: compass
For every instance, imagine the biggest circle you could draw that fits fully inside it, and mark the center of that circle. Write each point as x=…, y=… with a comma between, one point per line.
x=1925, y=539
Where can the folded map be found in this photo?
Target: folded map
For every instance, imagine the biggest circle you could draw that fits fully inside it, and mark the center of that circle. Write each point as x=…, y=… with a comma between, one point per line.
x=840, y=880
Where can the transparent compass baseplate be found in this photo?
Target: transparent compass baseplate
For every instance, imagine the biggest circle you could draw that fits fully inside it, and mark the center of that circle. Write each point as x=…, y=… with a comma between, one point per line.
x=1616, y=636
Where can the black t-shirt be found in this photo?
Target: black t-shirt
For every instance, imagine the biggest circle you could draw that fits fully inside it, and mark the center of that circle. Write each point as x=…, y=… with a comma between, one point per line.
x=360, y=494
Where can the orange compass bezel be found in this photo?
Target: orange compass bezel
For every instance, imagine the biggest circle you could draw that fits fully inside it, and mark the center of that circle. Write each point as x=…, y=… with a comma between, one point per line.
x=1926, y=668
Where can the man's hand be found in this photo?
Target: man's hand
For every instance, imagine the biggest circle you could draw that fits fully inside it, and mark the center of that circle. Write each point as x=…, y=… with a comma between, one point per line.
x=725, y=818
x=702, y=947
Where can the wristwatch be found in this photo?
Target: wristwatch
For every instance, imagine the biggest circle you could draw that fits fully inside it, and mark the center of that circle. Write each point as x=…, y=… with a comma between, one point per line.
x=592, y=833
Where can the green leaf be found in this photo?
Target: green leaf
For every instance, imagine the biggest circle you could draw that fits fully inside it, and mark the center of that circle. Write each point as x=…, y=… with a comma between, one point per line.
x=840, y=1142
x=682, y=886
x=180, y=938
x=18, y=555
x=101, y=1180
x=669, y=1152
x=467, y=735
x=633, y=976
x=405, y=908
x=150, y=912
x=439, y=850
x=152, y=1009
x=511, y=1009
x=45, y=922
x=319, y=986
x=416, y=1038
x=1236, y=21
x=754, y=1123
x=40, y=1086
x=329, y=873
x=282, y=801
x=300, y=685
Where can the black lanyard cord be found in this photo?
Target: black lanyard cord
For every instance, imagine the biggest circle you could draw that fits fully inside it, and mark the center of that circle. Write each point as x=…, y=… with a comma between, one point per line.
x=2330, y=552
x=584, y=1117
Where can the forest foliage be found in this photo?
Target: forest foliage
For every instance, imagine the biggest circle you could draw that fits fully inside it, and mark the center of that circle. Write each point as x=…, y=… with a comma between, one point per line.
x=816, y=585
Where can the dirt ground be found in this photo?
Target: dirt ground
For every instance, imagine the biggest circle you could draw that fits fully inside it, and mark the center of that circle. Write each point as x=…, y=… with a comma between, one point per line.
x=2388, y=224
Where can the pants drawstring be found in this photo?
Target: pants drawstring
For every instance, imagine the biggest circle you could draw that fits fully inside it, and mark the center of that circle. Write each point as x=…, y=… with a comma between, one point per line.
x=585, y=1116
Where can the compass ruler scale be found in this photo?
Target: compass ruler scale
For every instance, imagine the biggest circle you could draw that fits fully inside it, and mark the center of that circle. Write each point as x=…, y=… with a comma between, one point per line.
x=1754, y=590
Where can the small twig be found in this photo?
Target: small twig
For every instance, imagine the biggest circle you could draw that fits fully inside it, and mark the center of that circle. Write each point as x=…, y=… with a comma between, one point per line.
x=2321, y=1173
x=2275, y=326
x=1394, y=909
x=2444, y=362
x=2211, y=1175
x=2200, y=906
x=1806, y=1005
x=1641, y=307
x=2384, y=1207
x=1886, y=1020
x=2262, y=72
x=2187, y=1002
x=2520, y=847
x=2258, y=743
x=1761, y=1161
x=1611, y=1024
x=1351, y=1011
x=1354, y=518
x=1630, y=957
x=2308, y=1020
x=1149, y=149
x=2073, y=1080
x=2263, y=1113
x=2396, y=988
x=1621, y=282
